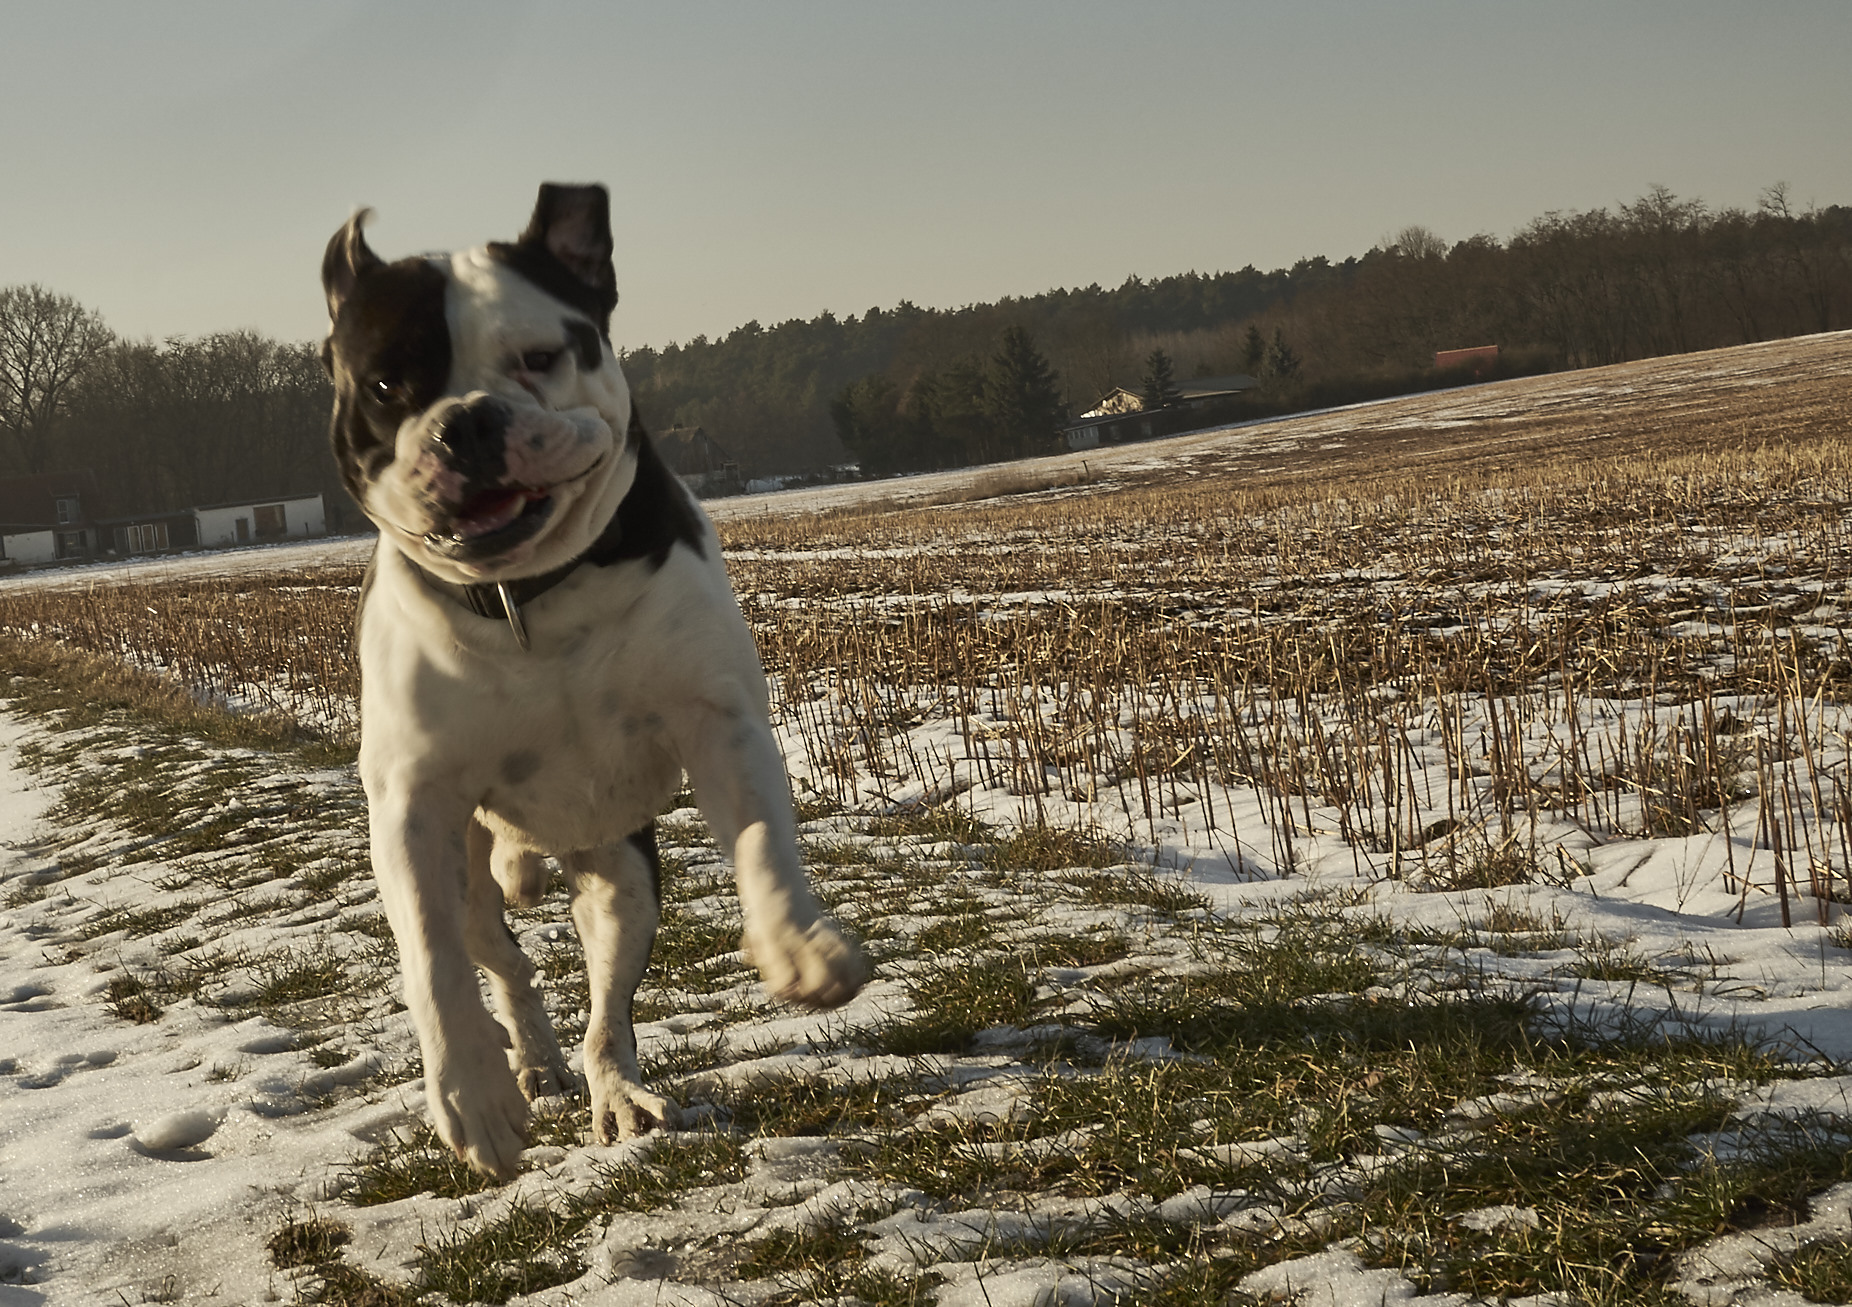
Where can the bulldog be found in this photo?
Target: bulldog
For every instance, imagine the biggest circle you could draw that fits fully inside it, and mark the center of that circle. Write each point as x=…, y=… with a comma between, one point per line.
x=547, y=643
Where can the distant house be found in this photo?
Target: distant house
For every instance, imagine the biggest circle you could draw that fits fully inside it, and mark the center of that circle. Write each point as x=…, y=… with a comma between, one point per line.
x=249, y=521
x=49, y=517
x=1121, y=415
x=699, y=461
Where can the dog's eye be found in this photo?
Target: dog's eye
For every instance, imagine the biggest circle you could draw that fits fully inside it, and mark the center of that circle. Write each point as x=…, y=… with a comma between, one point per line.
x=384, y=390
x=539, y=360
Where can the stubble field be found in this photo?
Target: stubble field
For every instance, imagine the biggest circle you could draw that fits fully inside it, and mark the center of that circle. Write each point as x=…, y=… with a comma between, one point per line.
x=1388, y=852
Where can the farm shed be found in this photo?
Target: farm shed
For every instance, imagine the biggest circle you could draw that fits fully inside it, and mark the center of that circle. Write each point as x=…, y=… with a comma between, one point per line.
x=150, y=533
x=249, y=521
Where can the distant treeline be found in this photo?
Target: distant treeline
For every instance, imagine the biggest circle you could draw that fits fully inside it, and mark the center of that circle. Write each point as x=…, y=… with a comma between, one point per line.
x=236, y=414
x=211, y=419
x=906, y=387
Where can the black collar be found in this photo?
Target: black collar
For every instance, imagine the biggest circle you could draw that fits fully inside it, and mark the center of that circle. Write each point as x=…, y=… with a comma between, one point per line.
x=656, y=513
x=503, y=600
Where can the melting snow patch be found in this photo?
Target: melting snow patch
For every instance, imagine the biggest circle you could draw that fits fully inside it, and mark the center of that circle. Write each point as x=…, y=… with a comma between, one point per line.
x=1337, y=1278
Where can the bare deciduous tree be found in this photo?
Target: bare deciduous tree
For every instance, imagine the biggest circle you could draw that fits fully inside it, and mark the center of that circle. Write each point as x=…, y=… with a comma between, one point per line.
x=46, y=342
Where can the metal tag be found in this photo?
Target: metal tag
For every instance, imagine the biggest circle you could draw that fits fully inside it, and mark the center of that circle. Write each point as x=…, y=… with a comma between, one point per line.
x=514, y=615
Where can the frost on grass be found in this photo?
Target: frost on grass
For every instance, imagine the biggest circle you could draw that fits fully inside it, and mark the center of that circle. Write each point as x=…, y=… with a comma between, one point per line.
x=1395, y=885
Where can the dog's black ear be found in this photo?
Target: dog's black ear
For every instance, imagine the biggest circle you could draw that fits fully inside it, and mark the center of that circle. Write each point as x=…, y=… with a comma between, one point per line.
x=573, y=224
x=347, y=257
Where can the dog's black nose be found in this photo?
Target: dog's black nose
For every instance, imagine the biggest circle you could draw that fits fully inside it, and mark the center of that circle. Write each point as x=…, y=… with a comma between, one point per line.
x=473, y=437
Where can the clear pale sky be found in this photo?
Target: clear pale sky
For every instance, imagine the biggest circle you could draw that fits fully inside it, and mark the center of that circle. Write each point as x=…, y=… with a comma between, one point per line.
x=179, y=164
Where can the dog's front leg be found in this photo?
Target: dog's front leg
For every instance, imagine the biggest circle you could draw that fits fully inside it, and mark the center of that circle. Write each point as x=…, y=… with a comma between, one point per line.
x=420, y=858
x=739, y=781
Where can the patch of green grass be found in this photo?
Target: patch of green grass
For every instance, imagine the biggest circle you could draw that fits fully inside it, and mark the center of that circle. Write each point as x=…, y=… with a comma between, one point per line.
x=1053, y=848
x=1592, y=1168
x=318, y=882
x=971, y=1163
x=250, y=909
x=140, y=922
x=1616, y=961
x=814, y=1252
x=948, y=934
x=676, y=1164
x=131, y=998
x=689, y=941
x=417, y=1162
x=946, y=823
x=336, y=1284
x=802, y=1107
x=838, y=853
x=298, y=976
x=306, y=1243
x=857, y=1282
x=1818, y=1272
x=24, y=893
x=1772, y=1170
x=527, y=1250
x=1257, y=994
x=1092, y=949
x=312, y=1249
x=1136, y=887
x=956, y=1001
x=371, y=924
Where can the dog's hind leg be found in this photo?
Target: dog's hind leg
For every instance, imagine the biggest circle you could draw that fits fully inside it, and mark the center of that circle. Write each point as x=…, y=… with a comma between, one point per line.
x=615, y=905
x=533, y=1053
x=520, y=872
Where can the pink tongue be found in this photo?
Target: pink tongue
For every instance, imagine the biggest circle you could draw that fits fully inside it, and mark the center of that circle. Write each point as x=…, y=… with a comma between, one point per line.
x=491, y=512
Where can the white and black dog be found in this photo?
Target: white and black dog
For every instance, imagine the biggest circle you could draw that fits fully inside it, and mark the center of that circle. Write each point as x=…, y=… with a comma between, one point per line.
x=547, y=642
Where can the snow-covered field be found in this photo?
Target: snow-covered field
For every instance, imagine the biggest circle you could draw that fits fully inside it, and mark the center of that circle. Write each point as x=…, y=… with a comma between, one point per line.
x=200, y=1044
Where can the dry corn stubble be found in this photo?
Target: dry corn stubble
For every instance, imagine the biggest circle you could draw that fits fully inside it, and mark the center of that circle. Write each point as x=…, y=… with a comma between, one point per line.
x=1619, y=607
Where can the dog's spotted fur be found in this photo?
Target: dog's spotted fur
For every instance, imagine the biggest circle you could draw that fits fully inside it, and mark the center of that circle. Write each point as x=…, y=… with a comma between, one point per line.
x=483, y=422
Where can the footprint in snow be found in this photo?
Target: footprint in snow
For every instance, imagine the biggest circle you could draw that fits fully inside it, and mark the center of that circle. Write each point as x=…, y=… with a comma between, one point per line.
x=26, y=998
x=66, y=1064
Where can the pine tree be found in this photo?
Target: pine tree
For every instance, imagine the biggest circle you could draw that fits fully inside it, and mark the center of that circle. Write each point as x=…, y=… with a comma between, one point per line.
x=1253, y=350
x=1282, y=362
x=1020, y=397
x=1160, y=388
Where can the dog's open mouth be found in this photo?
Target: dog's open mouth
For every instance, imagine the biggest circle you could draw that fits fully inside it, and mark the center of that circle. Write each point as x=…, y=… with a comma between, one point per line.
x=493, y=522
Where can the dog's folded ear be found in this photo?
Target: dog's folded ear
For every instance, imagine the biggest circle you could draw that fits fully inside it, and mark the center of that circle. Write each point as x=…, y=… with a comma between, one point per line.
x=346, y=258
x=573, y=224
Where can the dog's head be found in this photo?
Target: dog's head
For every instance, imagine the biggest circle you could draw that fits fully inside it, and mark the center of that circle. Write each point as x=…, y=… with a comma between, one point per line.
x=480, y=417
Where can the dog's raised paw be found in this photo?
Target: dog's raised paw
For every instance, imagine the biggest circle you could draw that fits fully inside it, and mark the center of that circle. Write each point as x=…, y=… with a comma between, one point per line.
x=818, y=967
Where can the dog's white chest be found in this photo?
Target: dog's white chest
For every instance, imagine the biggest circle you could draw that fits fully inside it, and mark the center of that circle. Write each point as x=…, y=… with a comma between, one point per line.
x=592, y=770
x=569, y=744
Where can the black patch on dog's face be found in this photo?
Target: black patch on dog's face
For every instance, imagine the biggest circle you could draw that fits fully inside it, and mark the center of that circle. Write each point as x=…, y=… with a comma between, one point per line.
x=389, y=356
x=539, y=266
x=566, y=250
x=584, y=343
